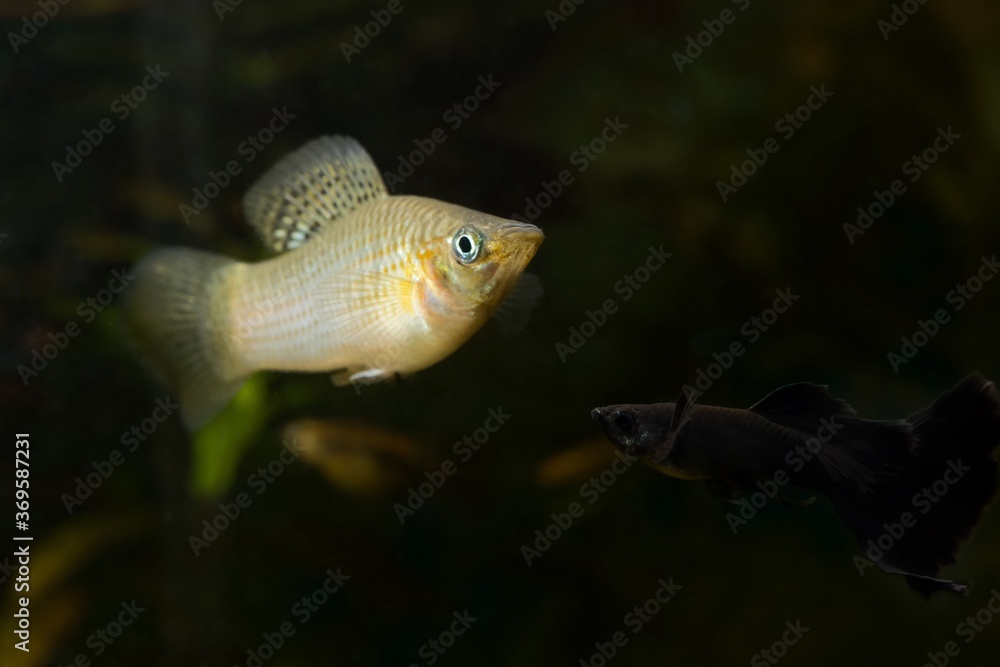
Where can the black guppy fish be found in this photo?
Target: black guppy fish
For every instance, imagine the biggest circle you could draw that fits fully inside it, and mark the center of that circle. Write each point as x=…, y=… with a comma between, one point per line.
x=911, y=488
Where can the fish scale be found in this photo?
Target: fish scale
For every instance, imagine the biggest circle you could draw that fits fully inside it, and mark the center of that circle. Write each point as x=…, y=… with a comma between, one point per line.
x=296, y=338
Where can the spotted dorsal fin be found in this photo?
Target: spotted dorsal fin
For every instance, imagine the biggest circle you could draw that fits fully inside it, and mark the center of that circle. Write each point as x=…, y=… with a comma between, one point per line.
x=322, y=181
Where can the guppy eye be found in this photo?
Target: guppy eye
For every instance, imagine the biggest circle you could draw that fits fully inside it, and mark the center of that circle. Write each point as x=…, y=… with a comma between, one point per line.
x=466, y=244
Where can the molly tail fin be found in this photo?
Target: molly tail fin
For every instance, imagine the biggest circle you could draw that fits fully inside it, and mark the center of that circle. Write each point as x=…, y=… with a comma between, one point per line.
x=174, y=315
x=917, y=518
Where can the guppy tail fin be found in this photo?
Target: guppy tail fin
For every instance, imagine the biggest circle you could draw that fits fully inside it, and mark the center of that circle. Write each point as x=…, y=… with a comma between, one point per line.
x=916, y=519
x=173, y=315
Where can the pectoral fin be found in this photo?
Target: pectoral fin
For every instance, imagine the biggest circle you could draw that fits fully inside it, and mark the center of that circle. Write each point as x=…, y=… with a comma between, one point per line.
x=514, y=311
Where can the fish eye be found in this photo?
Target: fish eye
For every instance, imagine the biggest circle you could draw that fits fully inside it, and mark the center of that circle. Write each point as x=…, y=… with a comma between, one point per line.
x=624, y=422
x=466, y=245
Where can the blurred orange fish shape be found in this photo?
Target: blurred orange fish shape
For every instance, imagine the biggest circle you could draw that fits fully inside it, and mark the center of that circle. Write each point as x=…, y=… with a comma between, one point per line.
x=361, y=460
x=367, y=284
x=574, y=464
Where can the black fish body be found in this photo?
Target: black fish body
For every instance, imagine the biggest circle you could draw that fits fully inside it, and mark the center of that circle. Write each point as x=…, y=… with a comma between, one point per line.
x=730, y=444
x=872, y=471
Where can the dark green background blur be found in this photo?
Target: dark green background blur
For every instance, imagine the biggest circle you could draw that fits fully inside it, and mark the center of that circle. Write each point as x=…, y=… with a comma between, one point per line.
x=656, y=184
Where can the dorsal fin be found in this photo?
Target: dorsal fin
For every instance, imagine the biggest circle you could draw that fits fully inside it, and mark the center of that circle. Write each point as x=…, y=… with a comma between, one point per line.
x=801, y=406
x=681, y=411
x=806, y=407
x=305, y=191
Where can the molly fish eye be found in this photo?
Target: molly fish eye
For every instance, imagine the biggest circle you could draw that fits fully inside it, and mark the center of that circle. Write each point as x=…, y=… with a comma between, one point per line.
x=466, y=245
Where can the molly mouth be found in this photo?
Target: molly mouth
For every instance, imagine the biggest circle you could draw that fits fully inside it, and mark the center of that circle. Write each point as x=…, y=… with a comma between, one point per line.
x=612, y=429
x=523, y=230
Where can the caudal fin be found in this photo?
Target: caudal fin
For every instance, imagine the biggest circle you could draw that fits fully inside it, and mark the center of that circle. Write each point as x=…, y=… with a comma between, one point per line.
x=916, y=519
x=181, y=330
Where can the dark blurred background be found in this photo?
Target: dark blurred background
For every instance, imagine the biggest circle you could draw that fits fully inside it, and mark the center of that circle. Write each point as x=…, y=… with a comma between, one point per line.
x=561, y=75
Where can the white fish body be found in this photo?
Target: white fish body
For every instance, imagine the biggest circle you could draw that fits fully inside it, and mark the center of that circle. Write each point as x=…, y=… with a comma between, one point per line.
x=367, y=284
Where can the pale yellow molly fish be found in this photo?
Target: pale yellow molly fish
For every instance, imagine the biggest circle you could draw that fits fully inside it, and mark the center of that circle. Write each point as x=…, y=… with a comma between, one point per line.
x=366, y=284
